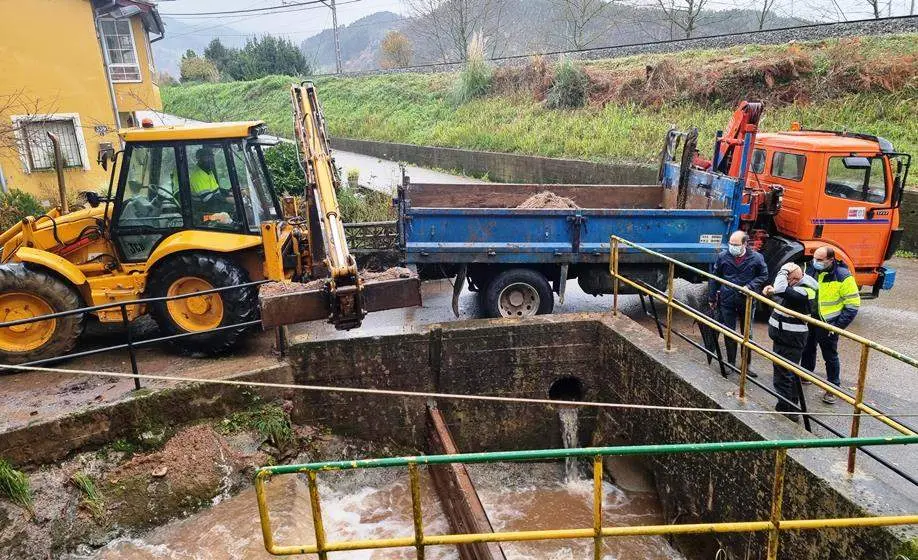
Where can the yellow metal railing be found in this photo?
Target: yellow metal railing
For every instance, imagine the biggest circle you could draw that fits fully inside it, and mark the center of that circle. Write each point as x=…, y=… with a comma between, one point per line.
x=420, y=541
x=747, y=345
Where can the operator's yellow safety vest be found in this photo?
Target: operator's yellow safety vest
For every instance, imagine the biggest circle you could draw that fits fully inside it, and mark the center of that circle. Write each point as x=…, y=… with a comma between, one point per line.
x=835, y=294
x=203, y=181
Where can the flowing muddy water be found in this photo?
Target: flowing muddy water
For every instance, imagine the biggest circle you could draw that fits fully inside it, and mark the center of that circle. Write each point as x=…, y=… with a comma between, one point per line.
x=376, y=503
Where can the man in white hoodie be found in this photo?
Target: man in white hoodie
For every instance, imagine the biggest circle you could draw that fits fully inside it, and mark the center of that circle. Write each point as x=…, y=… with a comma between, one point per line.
x=793, y=289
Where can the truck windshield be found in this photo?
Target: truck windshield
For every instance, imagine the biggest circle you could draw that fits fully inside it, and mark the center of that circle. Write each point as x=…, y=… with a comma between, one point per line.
x=865, y=181
x=253, y=184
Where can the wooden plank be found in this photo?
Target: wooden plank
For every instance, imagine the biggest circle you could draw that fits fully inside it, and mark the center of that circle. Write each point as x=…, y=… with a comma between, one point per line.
x=457, y=493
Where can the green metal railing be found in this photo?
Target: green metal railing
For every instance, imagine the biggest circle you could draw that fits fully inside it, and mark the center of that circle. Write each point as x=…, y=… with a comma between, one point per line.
x=597, y=532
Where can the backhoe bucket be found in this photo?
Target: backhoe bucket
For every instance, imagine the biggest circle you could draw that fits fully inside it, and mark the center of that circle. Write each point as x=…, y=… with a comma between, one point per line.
x=317, y=303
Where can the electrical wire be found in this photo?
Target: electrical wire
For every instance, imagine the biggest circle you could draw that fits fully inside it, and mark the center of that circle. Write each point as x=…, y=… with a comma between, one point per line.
x=434, y=395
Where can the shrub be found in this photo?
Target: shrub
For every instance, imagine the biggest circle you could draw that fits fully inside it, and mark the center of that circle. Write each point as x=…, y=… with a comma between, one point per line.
x=197, y=69
x=16, y=205
x=475, y=78
x=283, y=165
x=14, y=485
x=570, y=87
x=395, y=50
x=353, y=177
x=92, y=498
x=363, y=205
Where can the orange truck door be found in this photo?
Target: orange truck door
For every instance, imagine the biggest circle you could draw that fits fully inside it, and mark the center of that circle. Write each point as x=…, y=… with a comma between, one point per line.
x=853, y=186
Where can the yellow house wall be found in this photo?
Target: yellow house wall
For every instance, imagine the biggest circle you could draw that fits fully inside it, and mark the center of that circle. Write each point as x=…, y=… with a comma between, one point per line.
x=51, y=60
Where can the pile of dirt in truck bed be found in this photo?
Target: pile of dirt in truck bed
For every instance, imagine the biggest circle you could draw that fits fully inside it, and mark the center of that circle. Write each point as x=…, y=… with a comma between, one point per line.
x=393, y=273
x=548, y=199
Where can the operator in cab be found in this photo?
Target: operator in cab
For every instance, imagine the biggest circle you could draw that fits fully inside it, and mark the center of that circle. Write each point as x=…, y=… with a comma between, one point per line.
x=214, y=202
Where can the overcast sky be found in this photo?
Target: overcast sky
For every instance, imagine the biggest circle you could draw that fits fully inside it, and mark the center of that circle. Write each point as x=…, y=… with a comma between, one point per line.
x=300, y=24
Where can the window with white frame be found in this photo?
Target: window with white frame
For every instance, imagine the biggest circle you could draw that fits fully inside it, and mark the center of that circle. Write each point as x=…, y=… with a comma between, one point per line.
x=36, y=149
x=120, y=51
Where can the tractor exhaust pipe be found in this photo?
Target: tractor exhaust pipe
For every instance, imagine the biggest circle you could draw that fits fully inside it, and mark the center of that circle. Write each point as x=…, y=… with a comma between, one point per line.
x=59, y=167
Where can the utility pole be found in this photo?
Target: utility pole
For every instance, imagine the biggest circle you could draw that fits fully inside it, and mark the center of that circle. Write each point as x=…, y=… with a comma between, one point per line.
x=331, y=4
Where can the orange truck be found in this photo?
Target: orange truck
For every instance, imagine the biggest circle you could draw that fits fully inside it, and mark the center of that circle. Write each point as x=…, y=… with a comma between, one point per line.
x=808, y=188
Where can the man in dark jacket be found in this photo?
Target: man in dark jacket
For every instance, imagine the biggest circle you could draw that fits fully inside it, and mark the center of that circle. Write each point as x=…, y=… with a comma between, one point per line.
x=744, y=267
x=837, y=303
x=793, y=289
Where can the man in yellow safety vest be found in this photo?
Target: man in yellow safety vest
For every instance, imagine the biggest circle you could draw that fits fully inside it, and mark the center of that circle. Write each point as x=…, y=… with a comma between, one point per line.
x=836, y=302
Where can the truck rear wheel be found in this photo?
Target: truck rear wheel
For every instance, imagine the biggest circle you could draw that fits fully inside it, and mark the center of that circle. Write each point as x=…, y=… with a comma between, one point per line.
x=518, y=292
x=25, y=293
x=193, y=273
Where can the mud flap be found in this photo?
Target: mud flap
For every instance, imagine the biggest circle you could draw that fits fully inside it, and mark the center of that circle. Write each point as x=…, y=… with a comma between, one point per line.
x=457, y=287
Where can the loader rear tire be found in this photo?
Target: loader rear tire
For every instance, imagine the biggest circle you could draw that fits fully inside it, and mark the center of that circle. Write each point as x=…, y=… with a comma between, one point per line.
x=196, y=272
x=27, y=292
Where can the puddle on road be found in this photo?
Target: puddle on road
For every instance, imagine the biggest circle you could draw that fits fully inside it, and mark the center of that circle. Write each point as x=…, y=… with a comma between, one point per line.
x=376, y=504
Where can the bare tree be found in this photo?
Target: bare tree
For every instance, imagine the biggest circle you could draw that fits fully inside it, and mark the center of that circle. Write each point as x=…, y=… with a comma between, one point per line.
x=875, y=7
x=682, y=14
x=768, y=7
x=449, y=24
x=17, y=110
x=582, y=21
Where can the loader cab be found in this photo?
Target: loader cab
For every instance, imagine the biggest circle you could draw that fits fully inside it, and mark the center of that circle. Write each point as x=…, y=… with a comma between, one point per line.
x=209, y=177
x=838, y=188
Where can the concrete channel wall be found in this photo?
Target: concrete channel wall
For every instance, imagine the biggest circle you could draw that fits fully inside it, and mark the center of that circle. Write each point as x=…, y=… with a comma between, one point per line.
x=502, y=167
x=514, y=168
x=612, y=360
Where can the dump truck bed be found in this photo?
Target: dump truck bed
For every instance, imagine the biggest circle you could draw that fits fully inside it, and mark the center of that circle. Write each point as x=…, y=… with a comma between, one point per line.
x=481, y=223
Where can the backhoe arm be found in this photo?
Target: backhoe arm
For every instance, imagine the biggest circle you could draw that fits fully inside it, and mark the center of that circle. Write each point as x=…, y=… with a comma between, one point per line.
x=345, y=288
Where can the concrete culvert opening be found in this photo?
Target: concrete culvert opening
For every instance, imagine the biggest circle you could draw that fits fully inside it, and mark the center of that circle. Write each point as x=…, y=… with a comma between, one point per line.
x=567, y=388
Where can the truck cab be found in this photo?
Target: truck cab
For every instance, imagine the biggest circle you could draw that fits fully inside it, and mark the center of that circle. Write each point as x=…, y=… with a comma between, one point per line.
x=836, y=188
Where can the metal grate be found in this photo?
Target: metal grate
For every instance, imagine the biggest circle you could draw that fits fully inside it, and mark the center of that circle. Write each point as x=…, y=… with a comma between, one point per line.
x=38, y=146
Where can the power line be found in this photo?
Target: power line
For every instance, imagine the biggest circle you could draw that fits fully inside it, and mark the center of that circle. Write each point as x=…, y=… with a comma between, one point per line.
x=250, y=10
x=443, y=396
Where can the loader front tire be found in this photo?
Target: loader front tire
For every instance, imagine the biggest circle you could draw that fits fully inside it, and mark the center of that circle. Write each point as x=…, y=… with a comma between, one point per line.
x=197, y=272
x=27, y=292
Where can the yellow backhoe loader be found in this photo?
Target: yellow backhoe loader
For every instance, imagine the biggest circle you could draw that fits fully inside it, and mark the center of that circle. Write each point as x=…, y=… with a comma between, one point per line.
x=190, y=209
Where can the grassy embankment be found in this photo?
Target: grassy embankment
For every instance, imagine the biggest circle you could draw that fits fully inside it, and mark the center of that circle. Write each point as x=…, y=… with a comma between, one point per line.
x=866, y=85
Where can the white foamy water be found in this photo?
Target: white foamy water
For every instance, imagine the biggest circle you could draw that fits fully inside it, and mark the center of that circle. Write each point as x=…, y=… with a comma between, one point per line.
x=569, y=425
x=376, y=503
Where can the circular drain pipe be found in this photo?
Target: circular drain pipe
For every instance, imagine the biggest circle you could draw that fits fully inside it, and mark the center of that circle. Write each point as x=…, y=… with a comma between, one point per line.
x=567, y=388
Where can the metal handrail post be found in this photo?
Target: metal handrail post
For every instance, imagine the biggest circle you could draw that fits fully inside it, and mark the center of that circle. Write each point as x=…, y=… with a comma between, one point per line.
x=744, y=347
x=858, y=399
x=614, y=276
x=777, y=499
x=597, y=507
x=130, y=346
x=416, y=509
x=317, y=515
x=670, y=290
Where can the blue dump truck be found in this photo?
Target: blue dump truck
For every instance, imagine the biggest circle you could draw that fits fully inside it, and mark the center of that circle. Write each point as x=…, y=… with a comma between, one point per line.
x=517, y=256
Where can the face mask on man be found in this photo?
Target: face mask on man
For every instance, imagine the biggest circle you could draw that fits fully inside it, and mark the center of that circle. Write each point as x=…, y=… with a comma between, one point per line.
x=737, y=250
x=820, y=265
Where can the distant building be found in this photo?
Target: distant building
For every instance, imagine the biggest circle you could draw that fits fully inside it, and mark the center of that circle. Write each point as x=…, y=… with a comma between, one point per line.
x=79, y=69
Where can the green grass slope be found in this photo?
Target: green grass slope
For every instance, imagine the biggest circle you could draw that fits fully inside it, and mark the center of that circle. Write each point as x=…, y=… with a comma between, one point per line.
x=865, y=85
